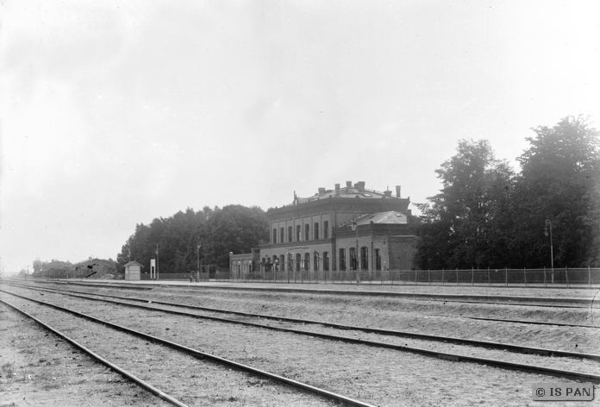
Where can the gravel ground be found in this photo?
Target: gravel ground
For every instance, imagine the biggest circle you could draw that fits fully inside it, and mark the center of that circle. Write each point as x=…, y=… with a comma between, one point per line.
x=192, y=381
x=475, y=327
x=431, y=317
x=40, y=369
x=499, y=290
x=383, y=377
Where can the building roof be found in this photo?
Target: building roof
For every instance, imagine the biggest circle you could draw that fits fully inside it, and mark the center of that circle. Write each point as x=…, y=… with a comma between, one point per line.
x=379, y=218
x=131, y=263
x=389, y=217
x=352, y=191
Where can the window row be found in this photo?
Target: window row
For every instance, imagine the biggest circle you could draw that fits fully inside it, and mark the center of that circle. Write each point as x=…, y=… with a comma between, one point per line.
x=298, y=236
x=347, y=260
x=296, y=262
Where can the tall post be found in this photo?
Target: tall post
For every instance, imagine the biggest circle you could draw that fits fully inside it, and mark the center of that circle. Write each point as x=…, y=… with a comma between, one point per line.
x=549, y=226
x=157, y=274
x=356, y=262
x=198, y=261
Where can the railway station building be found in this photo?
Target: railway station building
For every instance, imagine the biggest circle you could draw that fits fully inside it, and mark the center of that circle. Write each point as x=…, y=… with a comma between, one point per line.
x=346, y=228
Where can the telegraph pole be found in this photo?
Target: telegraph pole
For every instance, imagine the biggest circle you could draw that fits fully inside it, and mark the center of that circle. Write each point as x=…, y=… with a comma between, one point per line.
x=198, y=261
x=157, y=275
x=356, y=265
x=549, y=226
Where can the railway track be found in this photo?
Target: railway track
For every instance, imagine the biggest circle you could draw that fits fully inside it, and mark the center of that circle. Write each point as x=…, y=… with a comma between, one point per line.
x=555, y=302
x=123, y=372
x=461, y=357
x=176, y=350
x=279, y=318
x=505, y=320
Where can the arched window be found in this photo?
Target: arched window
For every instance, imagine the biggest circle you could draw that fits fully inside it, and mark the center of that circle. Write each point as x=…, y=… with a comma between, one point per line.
x=306, y=261
x=342, y=254
x=282, y=262
x=298, y=261
x=325, y=261
x=377, y=259
x=364, y=258
x=353, y=259
x=316, y=261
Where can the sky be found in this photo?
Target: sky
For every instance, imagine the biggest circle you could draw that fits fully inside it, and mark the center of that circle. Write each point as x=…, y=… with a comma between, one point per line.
x=113, y=113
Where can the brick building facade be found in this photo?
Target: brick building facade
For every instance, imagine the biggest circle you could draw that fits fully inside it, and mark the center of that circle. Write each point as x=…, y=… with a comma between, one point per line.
x=341, y=229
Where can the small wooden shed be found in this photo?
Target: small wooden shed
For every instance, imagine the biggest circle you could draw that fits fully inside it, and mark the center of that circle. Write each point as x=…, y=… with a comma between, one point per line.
x=133, y=270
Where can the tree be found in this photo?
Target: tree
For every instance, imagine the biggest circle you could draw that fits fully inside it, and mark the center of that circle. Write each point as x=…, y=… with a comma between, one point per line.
x=465, y=225
x=559, y=182
x=175, y=238
x=234, y=228
x=218, y=231
x=37, y=266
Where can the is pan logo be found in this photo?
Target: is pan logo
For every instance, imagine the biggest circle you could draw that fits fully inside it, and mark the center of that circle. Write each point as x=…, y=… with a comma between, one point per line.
x=563, y=392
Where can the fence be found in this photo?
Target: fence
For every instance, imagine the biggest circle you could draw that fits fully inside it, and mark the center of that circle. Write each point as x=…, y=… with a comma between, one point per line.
x=564, y=277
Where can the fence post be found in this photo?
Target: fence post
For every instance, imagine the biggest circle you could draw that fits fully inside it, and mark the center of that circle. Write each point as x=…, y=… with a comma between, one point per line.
x=506, y=275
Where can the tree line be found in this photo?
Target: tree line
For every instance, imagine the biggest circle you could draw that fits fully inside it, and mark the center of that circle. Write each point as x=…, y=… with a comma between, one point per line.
x=187, y=238
x=488, y=215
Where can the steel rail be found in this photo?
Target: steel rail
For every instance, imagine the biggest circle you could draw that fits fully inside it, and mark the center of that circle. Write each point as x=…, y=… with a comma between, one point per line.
x=519, y=321
x=460, y=298
x=203, y=355
x=516, y=321
x=437, y=338
x=426, y=352
x=130, y=376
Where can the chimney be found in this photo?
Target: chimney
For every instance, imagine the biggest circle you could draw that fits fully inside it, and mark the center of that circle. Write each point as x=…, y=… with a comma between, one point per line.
x=337, y=189
x=397, y=191
x=348, y=184
x=360, y=185
x=321, y=190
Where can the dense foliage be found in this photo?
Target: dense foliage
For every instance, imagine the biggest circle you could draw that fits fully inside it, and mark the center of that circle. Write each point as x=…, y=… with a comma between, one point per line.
x=186, y=238
x=487, y=216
